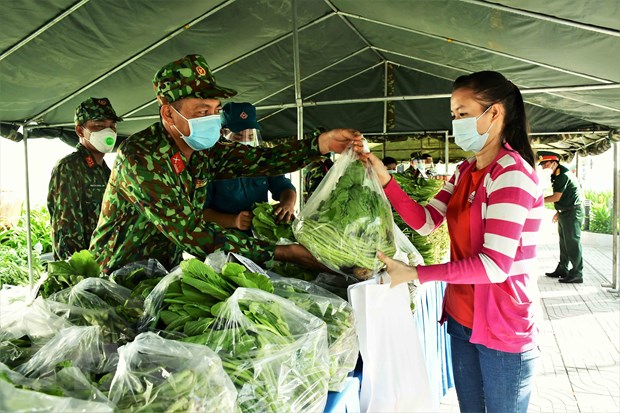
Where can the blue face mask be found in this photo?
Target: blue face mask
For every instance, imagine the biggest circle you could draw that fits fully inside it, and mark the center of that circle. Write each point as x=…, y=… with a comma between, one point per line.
x=466, y=134
x=204, y=132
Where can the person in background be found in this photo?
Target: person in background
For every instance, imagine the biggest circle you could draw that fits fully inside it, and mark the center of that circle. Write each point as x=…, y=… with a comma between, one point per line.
x=79, y=180
x=493, y=207
x=390, y=163
x=230, y=201
x=567, y=201
x=314, y=174
x=153, y=206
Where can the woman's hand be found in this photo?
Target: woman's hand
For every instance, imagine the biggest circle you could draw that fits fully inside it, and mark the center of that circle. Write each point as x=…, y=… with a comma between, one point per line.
x=398, y=271
x=377, y=165
x=337, y=140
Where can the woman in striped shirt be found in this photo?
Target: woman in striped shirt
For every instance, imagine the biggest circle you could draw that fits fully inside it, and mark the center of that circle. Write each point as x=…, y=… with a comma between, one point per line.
x=493, y=208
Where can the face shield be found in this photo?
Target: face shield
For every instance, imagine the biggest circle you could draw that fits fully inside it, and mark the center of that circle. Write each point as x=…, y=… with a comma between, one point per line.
x=250, y=137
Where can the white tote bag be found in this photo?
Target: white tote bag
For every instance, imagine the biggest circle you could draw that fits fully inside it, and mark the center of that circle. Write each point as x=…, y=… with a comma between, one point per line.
x=394, y=377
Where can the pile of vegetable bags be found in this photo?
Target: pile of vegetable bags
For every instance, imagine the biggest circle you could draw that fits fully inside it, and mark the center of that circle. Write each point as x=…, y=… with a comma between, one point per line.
x=159, y=375
x=275, y=353
x=348, y=219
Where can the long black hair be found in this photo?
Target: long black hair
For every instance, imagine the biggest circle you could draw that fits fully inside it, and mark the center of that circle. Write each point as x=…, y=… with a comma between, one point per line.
x=492, y=87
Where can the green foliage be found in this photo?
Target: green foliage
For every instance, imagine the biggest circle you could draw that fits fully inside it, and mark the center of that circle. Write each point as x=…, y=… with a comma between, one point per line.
x=265, y=226
x=14, y=247
x=600, y=211
x=65, y=274
x=434, y=246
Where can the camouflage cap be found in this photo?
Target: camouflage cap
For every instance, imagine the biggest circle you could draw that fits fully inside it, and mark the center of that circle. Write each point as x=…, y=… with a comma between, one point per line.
x=95, y=109
x=188, y=77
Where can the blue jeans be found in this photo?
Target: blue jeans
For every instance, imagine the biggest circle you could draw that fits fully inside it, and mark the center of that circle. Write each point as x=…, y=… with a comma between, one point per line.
x=488, y=380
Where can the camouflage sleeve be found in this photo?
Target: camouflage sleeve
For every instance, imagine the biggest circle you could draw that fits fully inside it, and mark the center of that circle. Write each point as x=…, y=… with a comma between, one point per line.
x=152, y=188
x=278, y=184
x=230, y=160
x=67, y=217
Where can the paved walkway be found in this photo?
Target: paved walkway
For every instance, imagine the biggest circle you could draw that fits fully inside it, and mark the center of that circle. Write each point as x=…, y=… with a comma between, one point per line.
x=579, y=369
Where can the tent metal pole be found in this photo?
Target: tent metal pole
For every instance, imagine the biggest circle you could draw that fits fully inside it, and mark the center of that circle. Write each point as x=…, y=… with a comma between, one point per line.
x=615, y=285
x=238, y=59
x=434, y=96
x=43, y=28
x=544, y=17
x=28, y=227
x=447, y=151
x=298, y=100
x=385, y=104
x=472, y=46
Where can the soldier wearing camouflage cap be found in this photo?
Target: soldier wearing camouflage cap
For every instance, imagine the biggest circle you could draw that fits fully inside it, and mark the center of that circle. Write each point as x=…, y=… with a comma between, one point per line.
x=153, y=205
x=79, y=179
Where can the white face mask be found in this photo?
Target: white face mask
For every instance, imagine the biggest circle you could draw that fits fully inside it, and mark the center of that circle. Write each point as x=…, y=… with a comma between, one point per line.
x=466, y=134
x=103, y=140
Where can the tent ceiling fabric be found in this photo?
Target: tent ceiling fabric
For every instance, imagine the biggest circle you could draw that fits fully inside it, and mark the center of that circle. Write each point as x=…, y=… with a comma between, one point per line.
x=56, y=53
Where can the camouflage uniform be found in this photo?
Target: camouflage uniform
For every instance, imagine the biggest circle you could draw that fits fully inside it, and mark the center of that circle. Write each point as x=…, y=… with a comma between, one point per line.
x=313, y=175
x=76, y=188
x=152, y=207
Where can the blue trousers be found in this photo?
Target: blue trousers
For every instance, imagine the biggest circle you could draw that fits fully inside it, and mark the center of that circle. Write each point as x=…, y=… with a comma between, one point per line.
x=488, y=380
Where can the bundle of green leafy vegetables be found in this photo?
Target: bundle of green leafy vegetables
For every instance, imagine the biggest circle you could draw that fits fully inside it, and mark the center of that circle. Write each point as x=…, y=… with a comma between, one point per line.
x=337, y=314
x=275, y=353
x=432, y=247
x=66, y=274
x=346, y=229
x=160, y=375
x=266, y=228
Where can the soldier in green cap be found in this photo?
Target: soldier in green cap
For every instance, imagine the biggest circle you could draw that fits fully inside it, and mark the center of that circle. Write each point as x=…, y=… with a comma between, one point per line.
x=566, y=199
x=153, y=205
x=79, y=179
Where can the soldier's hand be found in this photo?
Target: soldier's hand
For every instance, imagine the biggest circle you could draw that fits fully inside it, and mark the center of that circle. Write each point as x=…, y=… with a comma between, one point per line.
x=243, y=221
x=284, y=212
x=298, y=254
x=555, y=218
x=337, y=140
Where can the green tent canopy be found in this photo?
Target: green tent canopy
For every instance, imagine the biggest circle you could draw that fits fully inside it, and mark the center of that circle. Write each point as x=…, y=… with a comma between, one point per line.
x=384, y=67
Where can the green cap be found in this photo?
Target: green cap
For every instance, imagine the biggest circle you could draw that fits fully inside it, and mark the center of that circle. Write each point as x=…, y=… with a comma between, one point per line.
x=189, y=77
x=95, y=109
x=544, y=156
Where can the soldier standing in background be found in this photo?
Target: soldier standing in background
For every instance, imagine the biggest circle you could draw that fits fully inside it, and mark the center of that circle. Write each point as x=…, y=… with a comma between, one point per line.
x=79, y=180
x=566, y=199
x=153, y=205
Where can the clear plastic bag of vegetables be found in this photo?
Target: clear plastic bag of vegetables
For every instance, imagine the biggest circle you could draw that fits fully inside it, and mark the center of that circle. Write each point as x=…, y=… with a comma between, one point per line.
x=25, y=327
x=159, y=375
x=99, y=302
x=75, y=346
x=274, y=352
x=17, y=400
x=348, y=219
x=336, y=313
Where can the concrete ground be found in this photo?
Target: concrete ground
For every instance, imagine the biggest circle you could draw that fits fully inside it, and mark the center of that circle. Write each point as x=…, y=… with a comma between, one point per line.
x=579, y=368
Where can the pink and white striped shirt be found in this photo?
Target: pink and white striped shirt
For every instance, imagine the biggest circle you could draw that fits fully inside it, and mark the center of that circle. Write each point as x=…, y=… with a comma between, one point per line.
x=505, y=216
